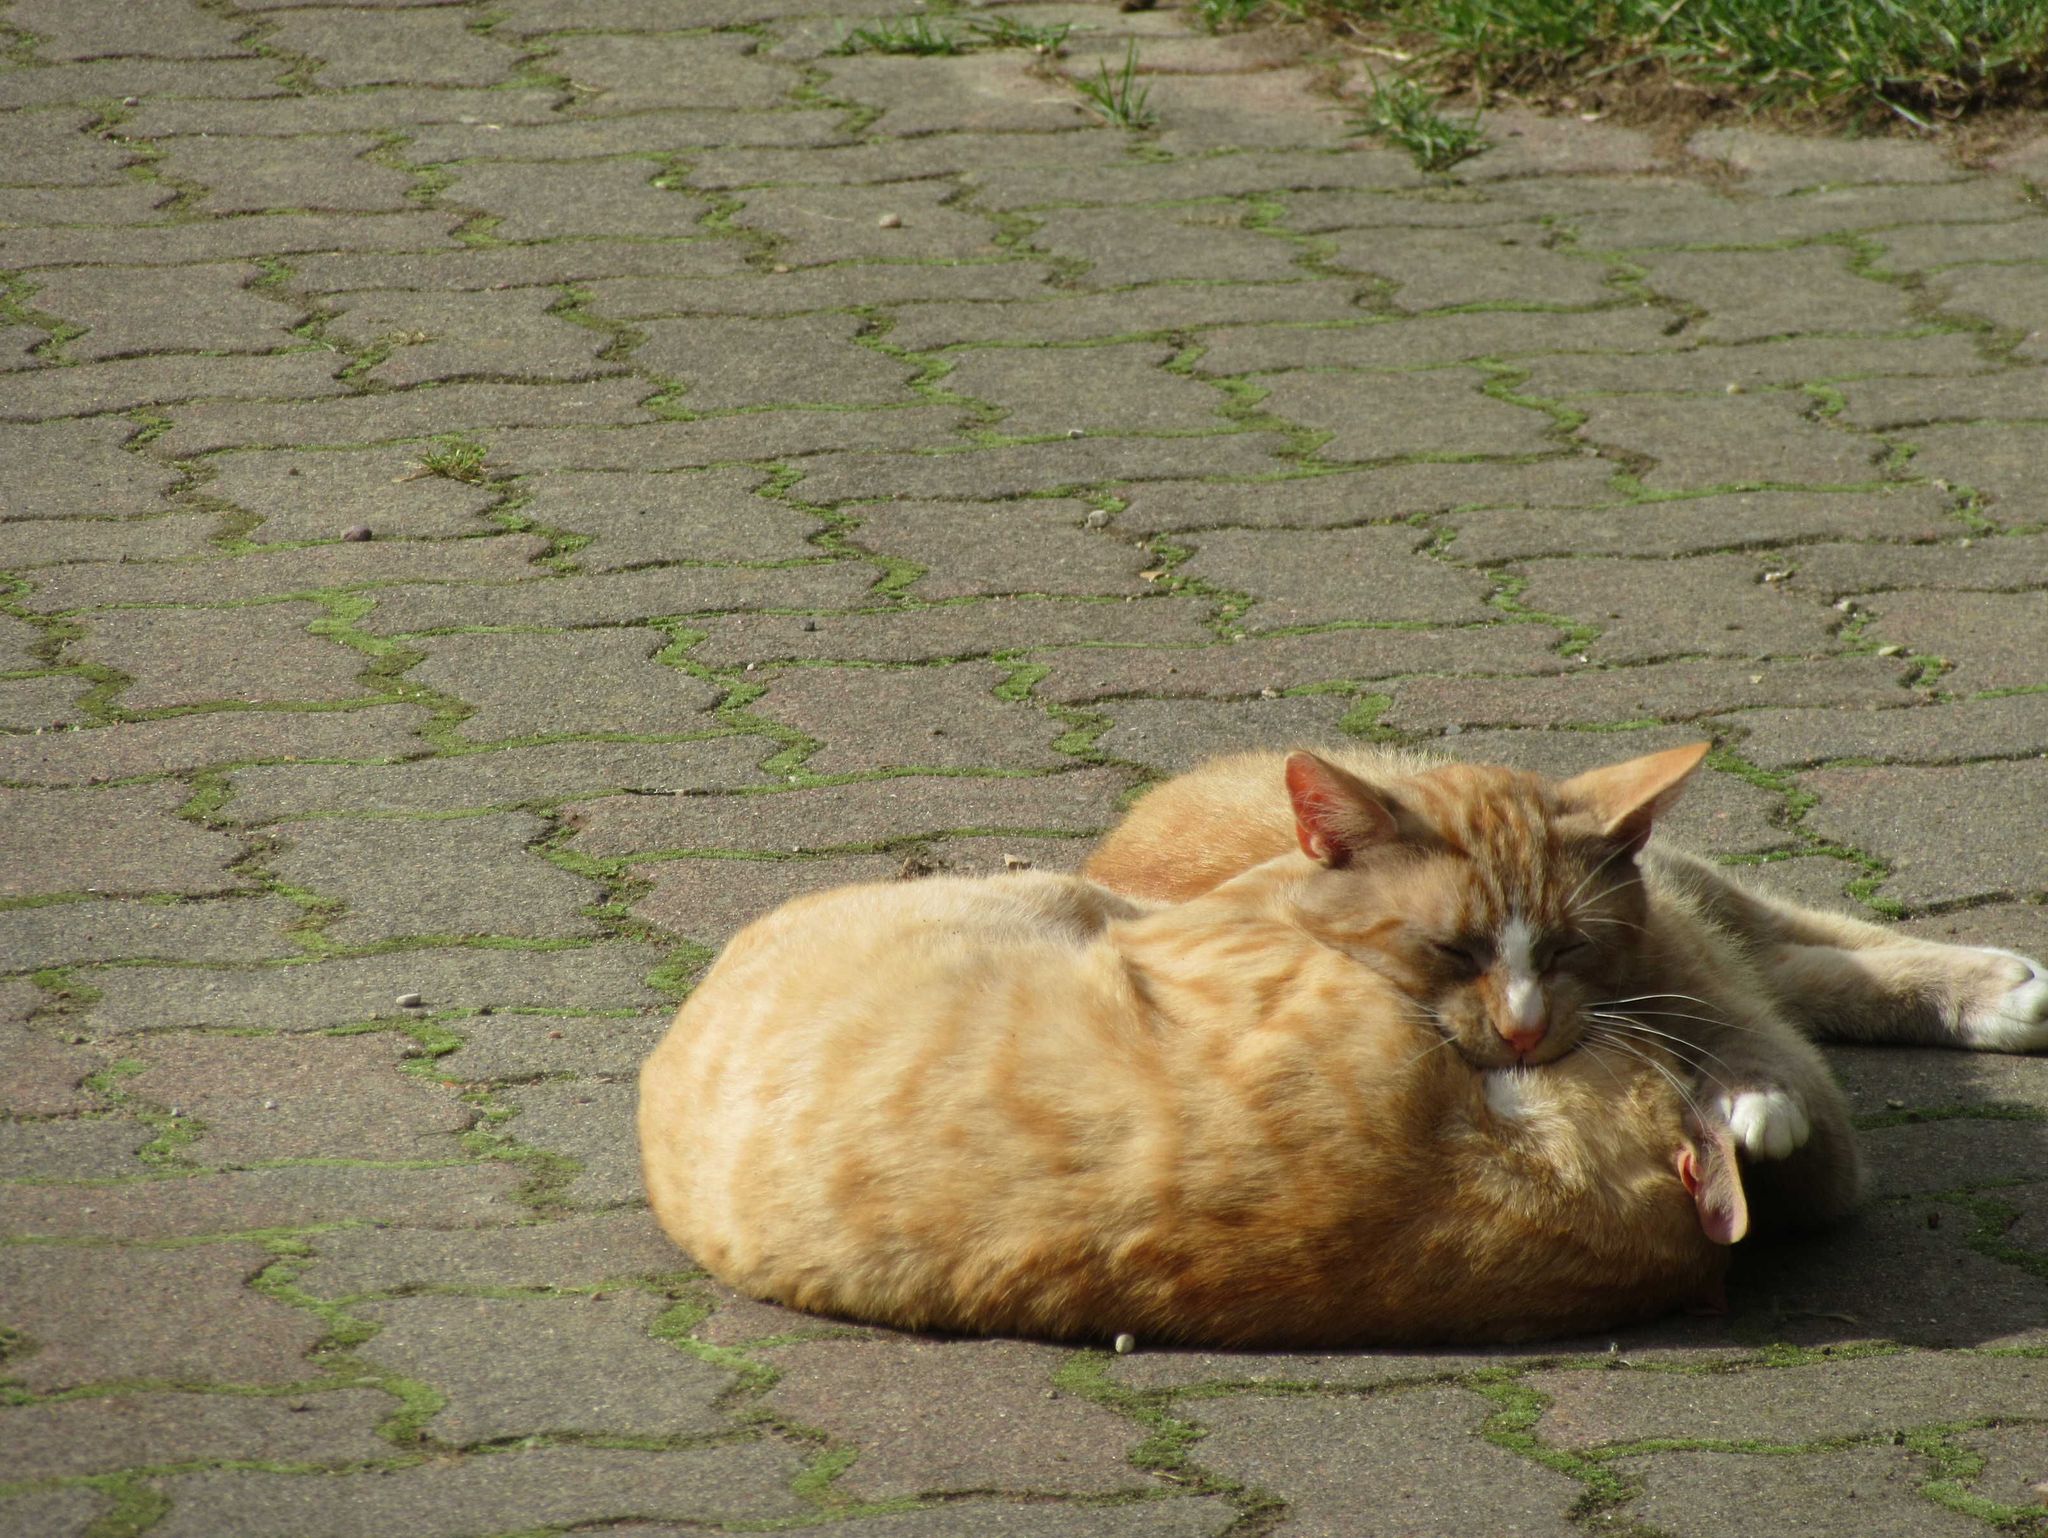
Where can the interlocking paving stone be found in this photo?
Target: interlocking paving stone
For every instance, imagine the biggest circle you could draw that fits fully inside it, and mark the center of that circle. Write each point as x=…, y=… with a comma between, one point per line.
x=513, y=1046
x=2016, y=1470
x=33, y=704
x=98, y=80
x=298, y=1097
x=1670, y=690
x=993, y=92
x=41, y=542
x=1259, y=663
x=1358, y=496
x=1766, y=364
x=1785, y=162
x=1034, y=468
x=304, y=495
x=932, y=1415
x=542, y=202
x=256, y=656
x=641, y=519
x=250, y=175
x=1704, y=443
x=633, y=73
x=1199, y=243
x=1388, y=341
x=1380, y=416
x=589, y=1121
x=269, y=235
x=429, y=46
x=1691, y=214
x=63, y=1511
x=1996, y=728
x=838, y=224
x=1084, y=316
x=184, y=1315
x=1026, y=546
x=474, y=876
x=468, y=336
x=1868, y=1492
x=1946, y=833
x=339, y=111
x=242, y=929
x=1508, y=264
x=1918, y=1159
x=123, y=384
x=200, y=741
x=89, y=1148
x=955, y=630
x=827, y=817
x=1810, y=1403
x=359, y=990
x=1930, y=1078
x=721, y=439
x=579, y=1251
x=96, y=1436
x=1988, y=639
x=612, y=597
x=659, y=131
x=1709, y=605
x=2010, y=297
x=98, y=29
x=517, y=1489
x=1429, y=1471
x=709, y=899
x=1312, y=577
x=1694, y=525
x=253, y=1201
x=816, y=288
x=581, y=1364
x=41, y=1073
x=554, y=260
x=114, y=841
x=1749, y=295
x=926, y=717
x=571, y=682
x=729, y=361
x=552, y=772
x=78, y=469
x=2012, y=563
x=1185, y=1517
x=1047, y=390
x=1172, y=735
x=184, y=309
x=54, y=147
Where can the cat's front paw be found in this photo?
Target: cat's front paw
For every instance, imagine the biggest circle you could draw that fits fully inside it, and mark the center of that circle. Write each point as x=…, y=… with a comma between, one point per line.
x=1767, y=1123
x=2013, y=1014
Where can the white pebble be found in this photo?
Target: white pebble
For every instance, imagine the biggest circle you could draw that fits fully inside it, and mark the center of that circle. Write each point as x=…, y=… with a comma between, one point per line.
x=1126, y=1344
x=409, y=1001
x=890, y=221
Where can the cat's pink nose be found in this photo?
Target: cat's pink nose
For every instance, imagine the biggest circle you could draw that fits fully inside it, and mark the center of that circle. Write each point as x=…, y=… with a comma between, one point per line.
x=1525, y=1038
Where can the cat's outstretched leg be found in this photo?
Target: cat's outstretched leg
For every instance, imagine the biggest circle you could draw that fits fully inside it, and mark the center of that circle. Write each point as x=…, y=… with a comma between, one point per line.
x=1845, y=980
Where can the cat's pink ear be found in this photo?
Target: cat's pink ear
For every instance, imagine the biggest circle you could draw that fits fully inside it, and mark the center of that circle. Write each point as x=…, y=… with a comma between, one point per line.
x=1627, y=799
x=1335, y=813
x=1713, y=1177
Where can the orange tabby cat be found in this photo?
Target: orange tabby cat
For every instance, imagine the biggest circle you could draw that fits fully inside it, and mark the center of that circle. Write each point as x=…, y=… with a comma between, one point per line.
x=1732, y=981
x=1295, y=1109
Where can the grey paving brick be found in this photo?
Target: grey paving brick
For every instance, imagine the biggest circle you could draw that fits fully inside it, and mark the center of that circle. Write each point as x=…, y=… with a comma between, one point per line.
x=397, y=106
x=589, y=1121
x=1382, y=494
x=249, y=1201
x=953, y=630
x=188, y=1315
x=1930, y=1079
x=1704, y=605
x=1996, y=461
x=1946, y=834
x=747, y=435
x=1749, y=295
x=1185, y=1517
x=207, y=426
x=568, y=682
x=1919, y=247
x=1155, y=310
x=658, y=131
x=565, y=258
x=98, y=80
x=1402, y=341
x=1735, y=440
x=1893, y=404
x=641, y=519
x=804, y=289
x=34, y=704
x=552, y=772
x=978, y=93
x=130, y=203
x=506, y=335
x=511, y=1490
x=1532, y=143
x=41, y=1073
x=2015, y=1470
x=201, y=741
x=264, y=655
x=525, y=1046
x=709, y=899
x=1195, y=243
x=1926, y=1158
x=61, y=1511
x=1801, y=1404
x=1786, y=162
x=85, y=1148
x=838, y=224
x=1034, y=546
x=298, y=1097
x=827, y=817
x=1430, y=1471
x=124, y=384
x=1867, y=1492
x=1313, y=577
x=925, y=717
x=101, y=29
x=78, y=469
x=474, y=876
x=1504, y=264
x=1771, y=363
x=96, y=1436
x=1679, y=691
x=579, y=1251
x=1695, y=525
x=587, y=1364
x=1171, y=735
x=17, y=636
x=303, y=495
x=1989, y=640
x=1690, y=214
x=1382, y=416
x=2009, y=297
x=253, y=175
x=239, y=929
x=2010, y=563
x=886, y=158
x=1043, y=391
x=125, y=841
x=58, y=147
x=362, y=989
x=631, y=74
x=429, y=46
x=724, y=362
x=1209, y=176
x=1995, y=728
x=615, y=597
x=128, y=310
x=933, y=1415
x=285, y=236
x=2015, y=926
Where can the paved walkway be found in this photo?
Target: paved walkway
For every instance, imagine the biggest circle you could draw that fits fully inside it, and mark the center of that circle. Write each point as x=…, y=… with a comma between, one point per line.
x=499, y=493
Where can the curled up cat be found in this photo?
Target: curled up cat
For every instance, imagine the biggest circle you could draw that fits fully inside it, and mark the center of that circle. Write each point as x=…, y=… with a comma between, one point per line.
x=1360, y=1049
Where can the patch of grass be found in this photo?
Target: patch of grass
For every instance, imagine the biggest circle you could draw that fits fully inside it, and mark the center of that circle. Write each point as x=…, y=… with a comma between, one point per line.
x=1405, y=112
x=454, y=460
x=1838, y=58
x=1001, y=32
x=1119, y=97
x=915, y=36
x=1218, y=14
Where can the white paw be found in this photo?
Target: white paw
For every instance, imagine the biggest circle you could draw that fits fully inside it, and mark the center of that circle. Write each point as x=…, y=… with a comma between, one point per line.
x=2018, y=1020
x=1767, y=1123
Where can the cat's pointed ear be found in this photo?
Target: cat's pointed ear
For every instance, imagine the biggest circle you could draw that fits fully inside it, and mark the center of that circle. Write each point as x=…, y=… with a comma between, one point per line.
x=1336, y=814
x=1713, y=1178
x=1627, y=799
